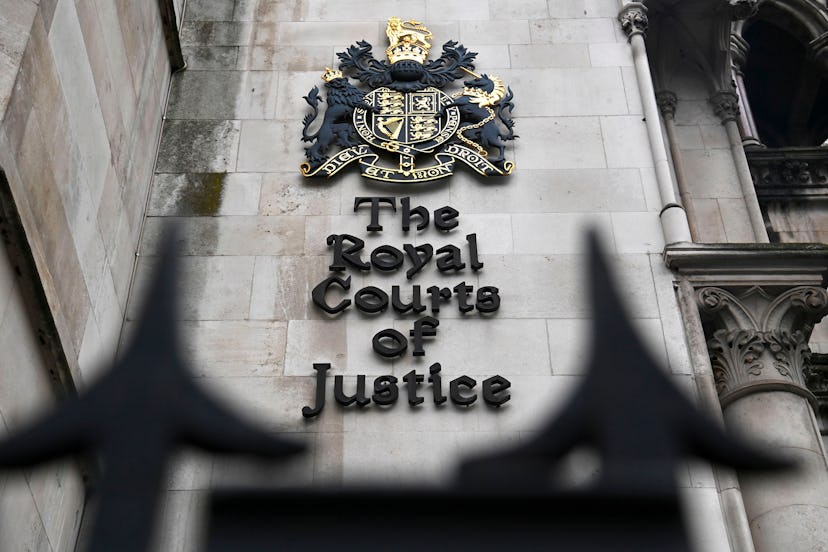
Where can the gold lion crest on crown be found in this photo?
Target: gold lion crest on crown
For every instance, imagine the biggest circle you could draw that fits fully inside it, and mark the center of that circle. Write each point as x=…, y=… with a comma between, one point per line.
x=407, y=40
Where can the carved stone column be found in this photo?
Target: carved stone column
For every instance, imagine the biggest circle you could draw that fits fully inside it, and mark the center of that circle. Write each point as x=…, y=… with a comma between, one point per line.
x=758, y=306
x=726, y=107
x=738, y=54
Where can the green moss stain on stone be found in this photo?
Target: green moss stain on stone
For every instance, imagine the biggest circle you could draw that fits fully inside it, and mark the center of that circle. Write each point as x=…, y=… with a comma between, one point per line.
x=201, y=195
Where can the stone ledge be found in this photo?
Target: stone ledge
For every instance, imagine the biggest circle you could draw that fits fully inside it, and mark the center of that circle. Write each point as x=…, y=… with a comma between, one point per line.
x=790, y=264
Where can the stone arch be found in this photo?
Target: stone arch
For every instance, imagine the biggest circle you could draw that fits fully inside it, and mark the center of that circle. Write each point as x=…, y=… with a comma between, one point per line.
x=786, y=72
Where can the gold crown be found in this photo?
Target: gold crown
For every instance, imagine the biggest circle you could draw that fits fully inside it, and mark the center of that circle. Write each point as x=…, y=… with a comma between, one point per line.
x=407, y=40
x=331, y=74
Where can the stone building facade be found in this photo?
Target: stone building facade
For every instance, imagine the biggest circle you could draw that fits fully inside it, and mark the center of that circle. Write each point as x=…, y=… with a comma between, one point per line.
x=690, y=135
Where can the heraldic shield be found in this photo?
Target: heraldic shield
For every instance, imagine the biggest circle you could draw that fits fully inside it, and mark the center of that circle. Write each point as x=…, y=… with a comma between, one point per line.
x=406, y=128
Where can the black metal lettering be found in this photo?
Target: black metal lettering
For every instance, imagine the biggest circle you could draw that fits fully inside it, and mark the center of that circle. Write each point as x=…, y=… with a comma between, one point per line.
x=375, y=203
x=350, y=255
x=454, y=390
x=412, y=381
x=371, y=300
x=400, y=343
x=416, y=304
x=474, y=262
x=436, y=381
x=419, y=211
x=321, y=289
x=387, y=258
x=418, y=333
x=321, y=373
x=445, y=218
x=418, y=261
x=492, y=387
x=385, y=390
x=488, y=299
x=436, y=295
x=359, y=397
x=461, y=291
x=452, y=259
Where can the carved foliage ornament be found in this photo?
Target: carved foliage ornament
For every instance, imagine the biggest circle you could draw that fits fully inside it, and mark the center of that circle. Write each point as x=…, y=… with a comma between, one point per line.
x=742, y=9
x=761, y=339
x=667, y=102
x=633, y=18
x=740, y=357
x=725, y=106
x=406, y=116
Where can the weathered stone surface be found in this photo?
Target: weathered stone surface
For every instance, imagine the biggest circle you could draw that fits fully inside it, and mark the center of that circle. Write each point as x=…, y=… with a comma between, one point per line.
x=706, y=526
x=322, y=33
x=204, y=58
x=205, y=94
x=211, y=288
x=562, y=292
x=610, y=54
x=285, y=193
x=235, y=348
x=198, y=146
x=210, y=10
x=569, y=91
x=266, y=146
x=282, y=287
x=205, y=194
x=216, y=33
x=573, y=142
x=528, y=9
x=637, y=232
x=625, y=142
x=711, y=174
x=362, y=10
x=227, y=236
x=545, y=234
x=551, y=191
x=548, y=55
x=494, y=32
x=557, y=31
x=284, y=57
x=775, y=529
x=582, y=8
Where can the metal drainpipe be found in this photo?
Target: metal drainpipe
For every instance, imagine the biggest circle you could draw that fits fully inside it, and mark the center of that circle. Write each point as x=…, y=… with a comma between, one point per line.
x=674, y=224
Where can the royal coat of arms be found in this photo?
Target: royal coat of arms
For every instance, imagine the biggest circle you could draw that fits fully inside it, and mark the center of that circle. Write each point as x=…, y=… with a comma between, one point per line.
x=406, y=128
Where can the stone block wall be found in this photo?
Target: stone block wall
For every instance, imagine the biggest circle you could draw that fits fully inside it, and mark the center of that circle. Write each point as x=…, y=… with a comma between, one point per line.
x=83, y=86
x=79, y=136
x=254, y=239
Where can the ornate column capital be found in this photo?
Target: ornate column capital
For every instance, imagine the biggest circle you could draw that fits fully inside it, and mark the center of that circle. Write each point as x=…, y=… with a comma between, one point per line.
x=758, y=337
x=633, y=18
x=667, y=102
x=725, y=106
x=742, y=9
